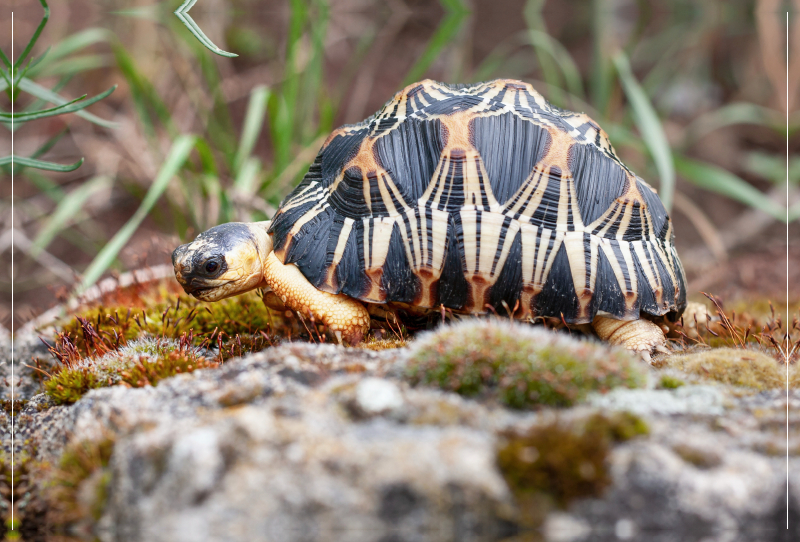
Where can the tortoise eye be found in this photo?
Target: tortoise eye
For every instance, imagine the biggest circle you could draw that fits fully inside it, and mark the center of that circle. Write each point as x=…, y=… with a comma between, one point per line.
x=211, y=266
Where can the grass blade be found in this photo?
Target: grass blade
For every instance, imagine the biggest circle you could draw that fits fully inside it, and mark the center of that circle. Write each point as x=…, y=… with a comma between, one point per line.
x=253, y=122
x=74, y=65
x=727, y=115
x=67, y=208
x=39, y=164
x=35, y=36
x=723, y=182
x=69, y=107
x=43, y=93
x=543, y=42
x=183, y=14
x=70, y=45
x=650, y=128
x=443, y=36
x=177, y=156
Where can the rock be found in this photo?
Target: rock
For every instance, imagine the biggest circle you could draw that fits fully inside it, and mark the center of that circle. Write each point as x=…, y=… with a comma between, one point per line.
x=683, y=400
x=375, y=395
x=320, y=442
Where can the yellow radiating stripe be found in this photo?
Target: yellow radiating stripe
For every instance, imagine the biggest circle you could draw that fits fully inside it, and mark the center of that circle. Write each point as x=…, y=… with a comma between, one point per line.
x=611, y=256
x=469, y=226
x=609, y=220
x=529, y=236
x=659, y=253
x=650, y=274
x=303, y=220
x=342, y=242
x=625, y=248
x=532, y=190
x=626, y=220
x=440, y=220
x=381, y=237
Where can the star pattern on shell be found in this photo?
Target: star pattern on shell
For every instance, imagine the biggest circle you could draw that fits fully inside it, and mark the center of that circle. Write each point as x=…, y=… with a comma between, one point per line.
x=481, y=197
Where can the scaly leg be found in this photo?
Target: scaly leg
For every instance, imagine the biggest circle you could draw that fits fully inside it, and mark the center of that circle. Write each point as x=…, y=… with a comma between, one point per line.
x=641, y=335
x=345, y=317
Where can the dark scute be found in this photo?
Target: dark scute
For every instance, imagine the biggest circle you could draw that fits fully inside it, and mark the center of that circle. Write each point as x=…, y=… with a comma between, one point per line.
x=351, y=276
x=681, y=284
x=658, y=214
x=508, y=285
x=285, y=220
x=647, y=298
x=661, y=267
x=510, y=147
x=348, y=198
x=451, y=183
x=599, y=180
x=608, y=295
x=339, y=151
x=398, y=280
x=558, y=294
x=334, y=231
x=452, y=105
x=453, y=287
x=636, y=227
x=309, y=247
x=410, y=154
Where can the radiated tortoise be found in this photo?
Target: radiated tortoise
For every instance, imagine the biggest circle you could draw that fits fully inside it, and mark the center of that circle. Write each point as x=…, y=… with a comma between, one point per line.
x=472, y=198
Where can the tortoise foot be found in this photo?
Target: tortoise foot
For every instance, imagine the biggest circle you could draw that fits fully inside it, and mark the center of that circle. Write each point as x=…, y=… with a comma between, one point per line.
x=641, y=335
x=345, y=318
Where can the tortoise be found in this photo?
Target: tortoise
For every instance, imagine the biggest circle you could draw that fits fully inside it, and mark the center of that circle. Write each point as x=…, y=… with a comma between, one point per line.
x=472, y=198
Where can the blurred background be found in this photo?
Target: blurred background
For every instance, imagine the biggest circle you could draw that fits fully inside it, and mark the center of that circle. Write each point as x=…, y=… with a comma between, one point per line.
x=692, y=94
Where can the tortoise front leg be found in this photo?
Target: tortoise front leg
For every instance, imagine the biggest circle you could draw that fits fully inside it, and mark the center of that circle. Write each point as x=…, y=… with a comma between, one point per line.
x=641, y=335
x=345, y=317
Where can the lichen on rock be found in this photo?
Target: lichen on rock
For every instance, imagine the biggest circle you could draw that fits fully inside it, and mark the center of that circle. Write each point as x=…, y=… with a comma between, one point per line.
x=734, y=366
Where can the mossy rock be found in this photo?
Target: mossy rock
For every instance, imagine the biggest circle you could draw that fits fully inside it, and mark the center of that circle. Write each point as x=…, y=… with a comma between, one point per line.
x=553, y=464
x=734, y=366
x=520, y=365
x=140, y=363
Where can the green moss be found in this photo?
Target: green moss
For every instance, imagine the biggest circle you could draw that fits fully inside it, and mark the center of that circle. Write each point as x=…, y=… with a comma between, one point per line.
x=668, y=382
x=557, y=463
x=237, y=325
x=735, y=366
x=82, y=464
x=68, y=385
x=140, y=363
x=520, y=365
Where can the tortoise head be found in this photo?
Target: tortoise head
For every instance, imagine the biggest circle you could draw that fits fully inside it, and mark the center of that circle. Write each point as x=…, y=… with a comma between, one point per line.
x=223, y=261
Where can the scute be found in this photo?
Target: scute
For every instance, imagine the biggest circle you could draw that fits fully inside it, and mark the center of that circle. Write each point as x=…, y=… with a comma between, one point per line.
x=510, y=147
x=410, y=154
x=476, y=196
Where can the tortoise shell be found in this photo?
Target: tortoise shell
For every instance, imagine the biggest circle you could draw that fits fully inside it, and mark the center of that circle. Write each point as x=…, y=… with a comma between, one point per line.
x=478, y=196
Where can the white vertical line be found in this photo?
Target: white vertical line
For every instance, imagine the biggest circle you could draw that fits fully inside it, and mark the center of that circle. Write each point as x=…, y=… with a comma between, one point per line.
x=12, y=270
x=787, y=271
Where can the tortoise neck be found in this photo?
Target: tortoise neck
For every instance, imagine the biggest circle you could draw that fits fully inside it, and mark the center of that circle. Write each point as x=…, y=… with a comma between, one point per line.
x=262, y=238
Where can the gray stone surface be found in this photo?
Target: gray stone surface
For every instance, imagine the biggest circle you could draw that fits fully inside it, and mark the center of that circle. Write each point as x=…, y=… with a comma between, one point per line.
x=318, y=442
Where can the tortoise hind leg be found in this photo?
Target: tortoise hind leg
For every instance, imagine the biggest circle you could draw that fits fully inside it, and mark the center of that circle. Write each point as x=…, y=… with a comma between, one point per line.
x=641, y=335
x=345, y=317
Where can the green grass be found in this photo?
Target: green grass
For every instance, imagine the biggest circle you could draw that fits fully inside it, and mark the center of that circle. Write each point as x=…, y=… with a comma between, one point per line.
x=243, y=161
